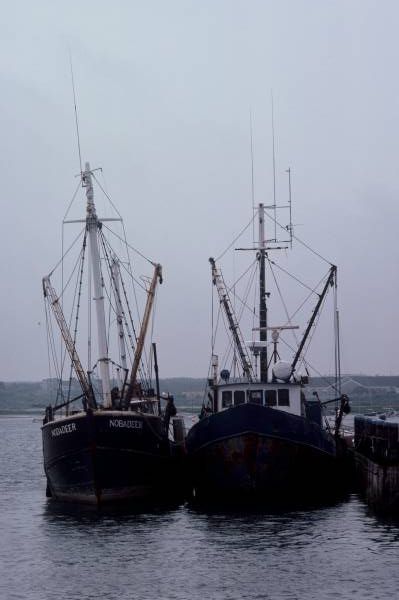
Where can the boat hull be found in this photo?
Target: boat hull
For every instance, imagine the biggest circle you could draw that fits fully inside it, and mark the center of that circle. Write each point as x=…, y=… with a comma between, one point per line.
x=378, y=482
x=108, y=457
x=254, y=453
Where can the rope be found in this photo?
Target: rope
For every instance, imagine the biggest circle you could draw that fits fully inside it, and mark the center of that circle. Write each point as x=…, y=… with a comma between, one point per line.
x=298, y=239
x=271, y=262
x=145, y=367
x=313, y=291
x=72, y=201
x=289, y=321
x=69, y=249
x=129, y=246
x=237, y=297
x=77, y=309
x=235, y=239
x=112, y=251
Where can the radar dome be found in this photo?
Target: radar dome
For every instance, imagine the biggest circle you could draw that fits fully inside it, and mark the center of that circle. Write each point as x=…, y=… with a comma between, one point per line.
x=282, y=371
x=225, y=375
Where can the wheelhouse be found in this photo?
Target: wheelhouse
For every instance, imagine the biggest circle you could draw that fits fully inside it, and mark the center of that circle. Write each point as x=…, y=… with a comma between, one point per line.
x=281, y=396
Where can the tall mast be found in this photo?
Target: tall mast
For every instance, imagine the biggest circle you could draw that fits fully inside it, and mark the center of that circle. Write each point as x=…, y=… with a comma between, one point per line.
x=262, y=295
x=93, y=225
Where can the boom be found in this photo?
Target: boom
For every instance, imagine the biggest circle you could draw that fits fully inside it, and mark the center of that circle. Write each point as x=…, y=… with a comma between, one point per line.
x=330, y=280
x=233, y=323
x=53, y=300
x=143, y=331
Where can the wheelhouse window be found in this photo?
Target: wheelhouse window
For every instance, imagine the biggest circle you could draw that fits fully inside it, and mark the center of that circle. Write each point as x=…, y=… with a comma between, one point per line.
x=271, y=397
x=227, y=399
x=239, y=397
x=255, y=396
x=283, y=397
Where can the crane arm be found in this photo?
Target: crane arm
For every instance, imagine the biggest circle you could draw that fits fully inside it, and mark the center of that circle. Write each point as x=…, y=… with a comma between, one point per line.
x=233, y=322
x=330, y=281
x=53, y=300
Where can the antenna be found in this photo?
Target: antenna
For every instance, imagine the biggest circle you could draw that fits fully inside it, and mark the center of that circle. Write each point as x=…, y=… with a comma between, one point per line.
x=252, y=175
x=289, y=227
x=76, y=114
x=274, y=171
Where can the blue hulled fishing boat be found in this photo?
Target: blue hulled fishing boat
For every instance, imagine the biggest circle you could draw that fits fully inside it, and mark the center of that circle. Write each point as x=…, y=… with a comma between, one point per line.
x=261, y=436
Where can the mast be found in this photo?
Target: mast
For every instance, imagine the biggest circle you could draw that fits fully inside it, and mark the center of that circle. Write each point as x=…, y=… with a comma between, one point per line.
x=262, y=296
x=119, y=314
x=93, y=225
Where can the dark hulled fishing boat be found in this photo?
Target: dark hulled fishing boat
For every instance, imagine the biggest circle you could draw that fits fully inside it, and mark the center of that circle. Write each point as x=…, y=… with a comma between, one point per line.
x=258, y=438
x=120, y=445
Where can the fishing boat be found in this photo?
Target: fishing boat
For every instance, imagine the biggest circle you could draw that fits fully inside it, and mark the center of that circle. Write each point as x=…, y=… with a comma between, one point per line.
x=106, y=437
x=376, y=461
x=262, y=436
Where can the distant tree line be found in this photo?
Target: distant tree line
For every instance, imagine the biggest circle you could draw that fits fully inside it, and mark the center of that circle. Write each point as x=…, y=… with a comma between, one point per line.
x=366, y=393
x=29, y=396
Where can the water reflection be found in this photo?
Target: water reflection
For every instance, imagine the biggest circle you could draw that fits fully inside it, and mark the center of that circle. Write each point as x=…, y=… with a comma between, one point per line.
x=68, y=515
x=51, y=550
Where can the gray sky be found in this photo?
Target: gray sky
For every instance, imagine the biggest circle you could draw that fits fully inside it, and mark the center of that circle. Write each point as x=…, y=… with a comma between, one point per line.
x=164, y=94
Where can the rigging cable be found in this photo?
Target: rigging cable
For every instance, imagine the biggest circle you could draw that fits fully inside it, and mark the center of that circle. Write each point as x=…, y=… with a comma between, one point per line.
x=77, y=262
x=236, y=296
x=75, y=333
x=284, y=228
x=312, y=367
x=144, y=369
x=303, y=360
x=282, y=299
x=89, y=316
x=235, y=239
x=315, y=324
x=51, y=345
x=106, y=243
x=271, y=262
x=63, y=351
x=72, y=201
x=124, y=241
x=337, y=338
x=67, y=252
x=313, y=291
x=248, y=289
x=76, y=113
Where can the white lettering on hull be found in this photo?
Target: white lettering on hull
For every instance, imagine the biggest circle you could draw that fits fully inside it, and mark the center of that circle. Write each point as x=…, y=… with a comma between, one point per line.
x=68, y=428
x=122, y=423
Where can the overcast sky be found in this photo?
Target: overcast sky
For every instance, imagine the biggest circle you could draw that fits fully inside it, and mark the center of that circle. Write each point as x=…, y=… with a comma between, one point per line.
x=165, y=90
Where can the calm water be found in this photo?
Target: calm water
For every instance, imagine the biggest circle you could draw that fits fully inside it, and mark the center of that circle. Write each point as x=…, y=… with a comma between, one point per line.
x=46, y=552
